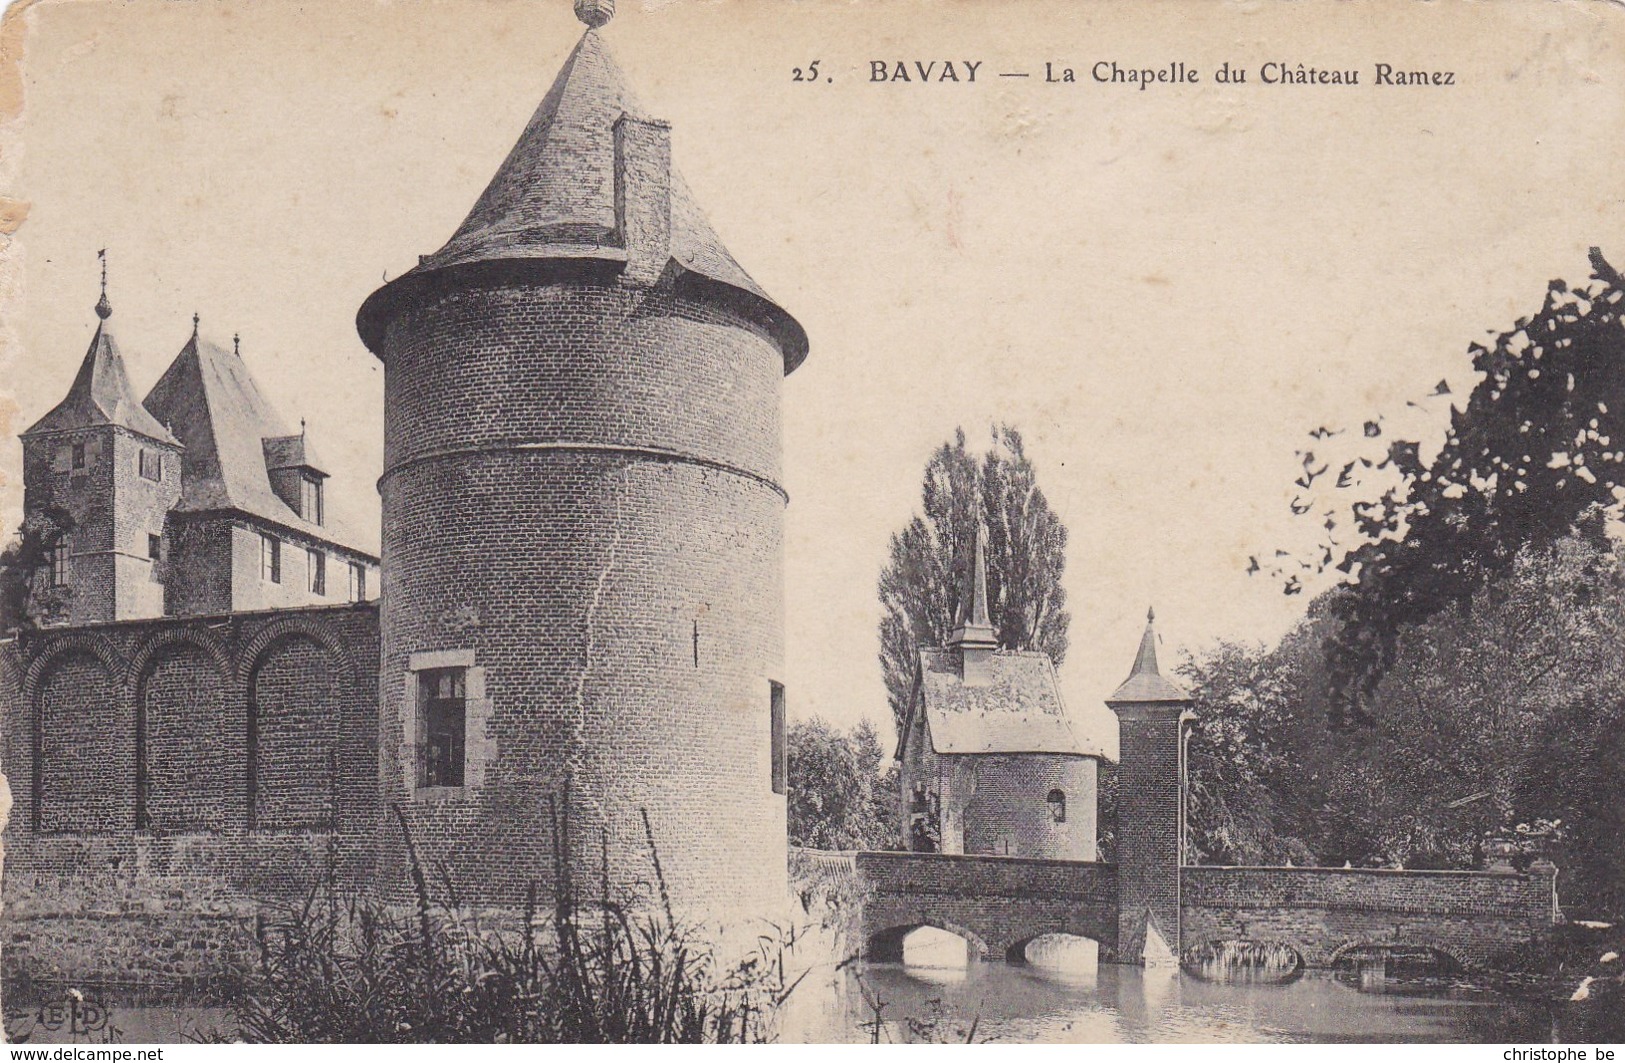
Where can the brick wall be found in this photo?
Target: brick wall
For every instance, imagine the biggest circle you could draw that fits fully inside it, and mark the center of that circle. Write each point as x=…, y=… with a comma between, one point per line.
x=580, y=497
x=139, y=510
x=1473, y=917
x=1009, y=812
x=128, y=744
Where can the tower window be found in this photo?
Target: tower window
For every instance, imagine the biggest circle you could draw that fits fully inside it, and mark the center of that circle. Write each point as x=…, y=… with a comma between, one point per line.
x=443, y=708
x=776, y=721
x=318, y=571
x=270, y=558
x=358, y=582
x=151, y=464
x=1057, y=806
x=310, y=498
x=155, y=544
x=58, y=558
x=78, y=456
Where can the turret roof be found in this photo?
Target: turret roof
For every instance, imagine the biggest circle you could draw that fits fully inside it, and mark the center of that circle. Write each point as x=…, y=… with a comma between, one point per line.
x=553, y=199
x=101, y=394
x=1145, y=683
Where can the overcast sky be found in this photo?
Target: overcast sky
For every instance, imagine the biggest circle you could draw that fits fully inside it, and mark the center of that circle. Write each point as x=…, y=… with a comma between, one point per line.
x=1164, y=289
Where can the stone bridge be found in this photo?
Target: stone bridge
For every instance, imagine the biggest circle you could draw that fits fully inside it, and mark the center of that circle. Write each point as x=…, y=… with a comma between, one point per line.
x=1000, y=904
x=996, y=903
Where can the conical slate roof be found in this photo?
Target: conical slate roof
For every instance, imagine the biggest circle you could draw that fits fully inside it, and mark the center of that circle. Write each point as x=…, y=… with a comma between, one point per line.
x=553, y=200
x=101, y=394
x=211, y=400
x=1145, y=683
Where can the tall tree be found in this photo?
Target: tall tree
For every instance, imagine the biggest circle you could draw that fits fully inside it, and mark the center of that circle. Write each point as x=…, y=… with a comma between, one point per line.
x=1541, y=440
x=921, y=584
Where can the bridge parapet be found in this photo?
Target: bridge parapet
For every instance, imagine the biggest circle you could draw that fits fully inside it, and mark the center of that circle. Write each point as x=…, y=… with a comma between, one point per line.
x=1470, y=916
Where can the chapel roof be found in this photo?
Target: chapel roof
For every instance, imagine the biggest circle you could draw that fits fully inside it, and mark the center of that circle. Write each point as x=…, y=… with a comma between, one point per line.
x=1017, y=710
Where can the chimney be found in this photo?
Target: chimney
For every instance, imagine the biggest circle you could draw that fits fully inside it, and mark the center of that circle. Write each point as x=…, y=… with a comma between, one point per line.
x=643, y=196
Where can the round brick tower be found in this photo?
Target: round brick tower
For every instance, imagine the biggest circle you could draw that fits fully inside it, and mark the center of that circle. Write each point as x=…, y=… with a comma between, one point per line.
x=582, y=602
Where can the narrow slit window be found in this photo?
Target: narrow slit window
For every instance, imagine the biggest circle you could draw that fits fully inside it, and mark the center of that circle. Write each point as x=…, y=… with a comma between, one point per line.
x=443, y=698
x=78, y=456
x=155, y=546
x=776, y=722
x=1057, y=806
x=271, y=558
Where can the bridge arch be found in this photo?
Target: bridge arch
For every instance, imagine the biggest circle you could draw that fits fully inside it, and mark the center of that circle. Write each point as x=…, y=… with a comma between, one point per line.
x=1016, y=951
x=1272, y=960
x=1458, y=959
x=886, y=945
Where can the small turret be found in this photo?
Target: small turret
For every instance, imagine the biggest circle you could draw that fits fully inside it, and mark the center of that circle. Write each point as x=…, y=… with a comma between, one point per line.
x=1153, y=713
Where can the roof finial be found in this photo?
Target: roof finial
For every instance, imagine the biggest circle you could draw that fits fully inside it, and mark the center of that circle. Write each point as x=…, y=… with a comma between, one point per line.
x=237, y=344
x=194, y=324
x=301, y=428
x=1145, y=662
x=595, y=12
x=104, y=309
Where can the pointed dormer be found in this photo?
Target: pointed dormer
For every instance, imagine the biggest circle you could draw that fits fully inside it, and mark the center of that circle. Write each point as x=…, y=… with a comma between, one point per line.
x=973, y=635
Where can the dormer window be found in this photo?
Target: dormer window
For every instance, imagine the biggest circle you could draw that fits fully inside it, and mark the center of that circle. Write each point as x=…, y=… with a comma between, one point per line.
x=310, y=498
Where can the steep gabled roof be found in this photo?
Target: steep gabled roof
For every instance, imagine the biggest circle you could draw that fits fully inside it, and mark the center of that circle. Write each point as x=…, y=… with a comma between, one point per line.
x=211, y=400
x=553, y=199
x=1018, y=710
x=101, y=394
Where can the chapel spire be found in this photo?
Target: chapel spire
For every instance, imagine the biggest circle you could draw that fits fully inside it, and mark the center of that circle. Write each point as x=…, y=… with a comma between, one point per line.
x=974, y=636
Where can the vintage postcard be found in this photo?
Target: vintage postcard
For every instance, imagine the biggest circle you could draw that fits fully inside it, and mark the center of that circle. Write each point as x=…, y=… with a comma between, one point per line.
x=675, y=521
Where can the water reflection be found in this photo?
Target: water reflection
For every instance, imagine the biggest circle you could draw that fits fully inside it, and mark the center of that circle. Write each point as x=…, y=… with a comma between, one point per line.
x=1128, y=1004
x=1064, y=959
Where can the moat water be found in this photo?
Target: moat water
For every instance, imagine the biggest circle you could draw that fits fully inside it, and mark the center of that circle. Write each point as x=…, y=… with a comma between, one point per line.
x=1079, y=1002
x=1129, y=1005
